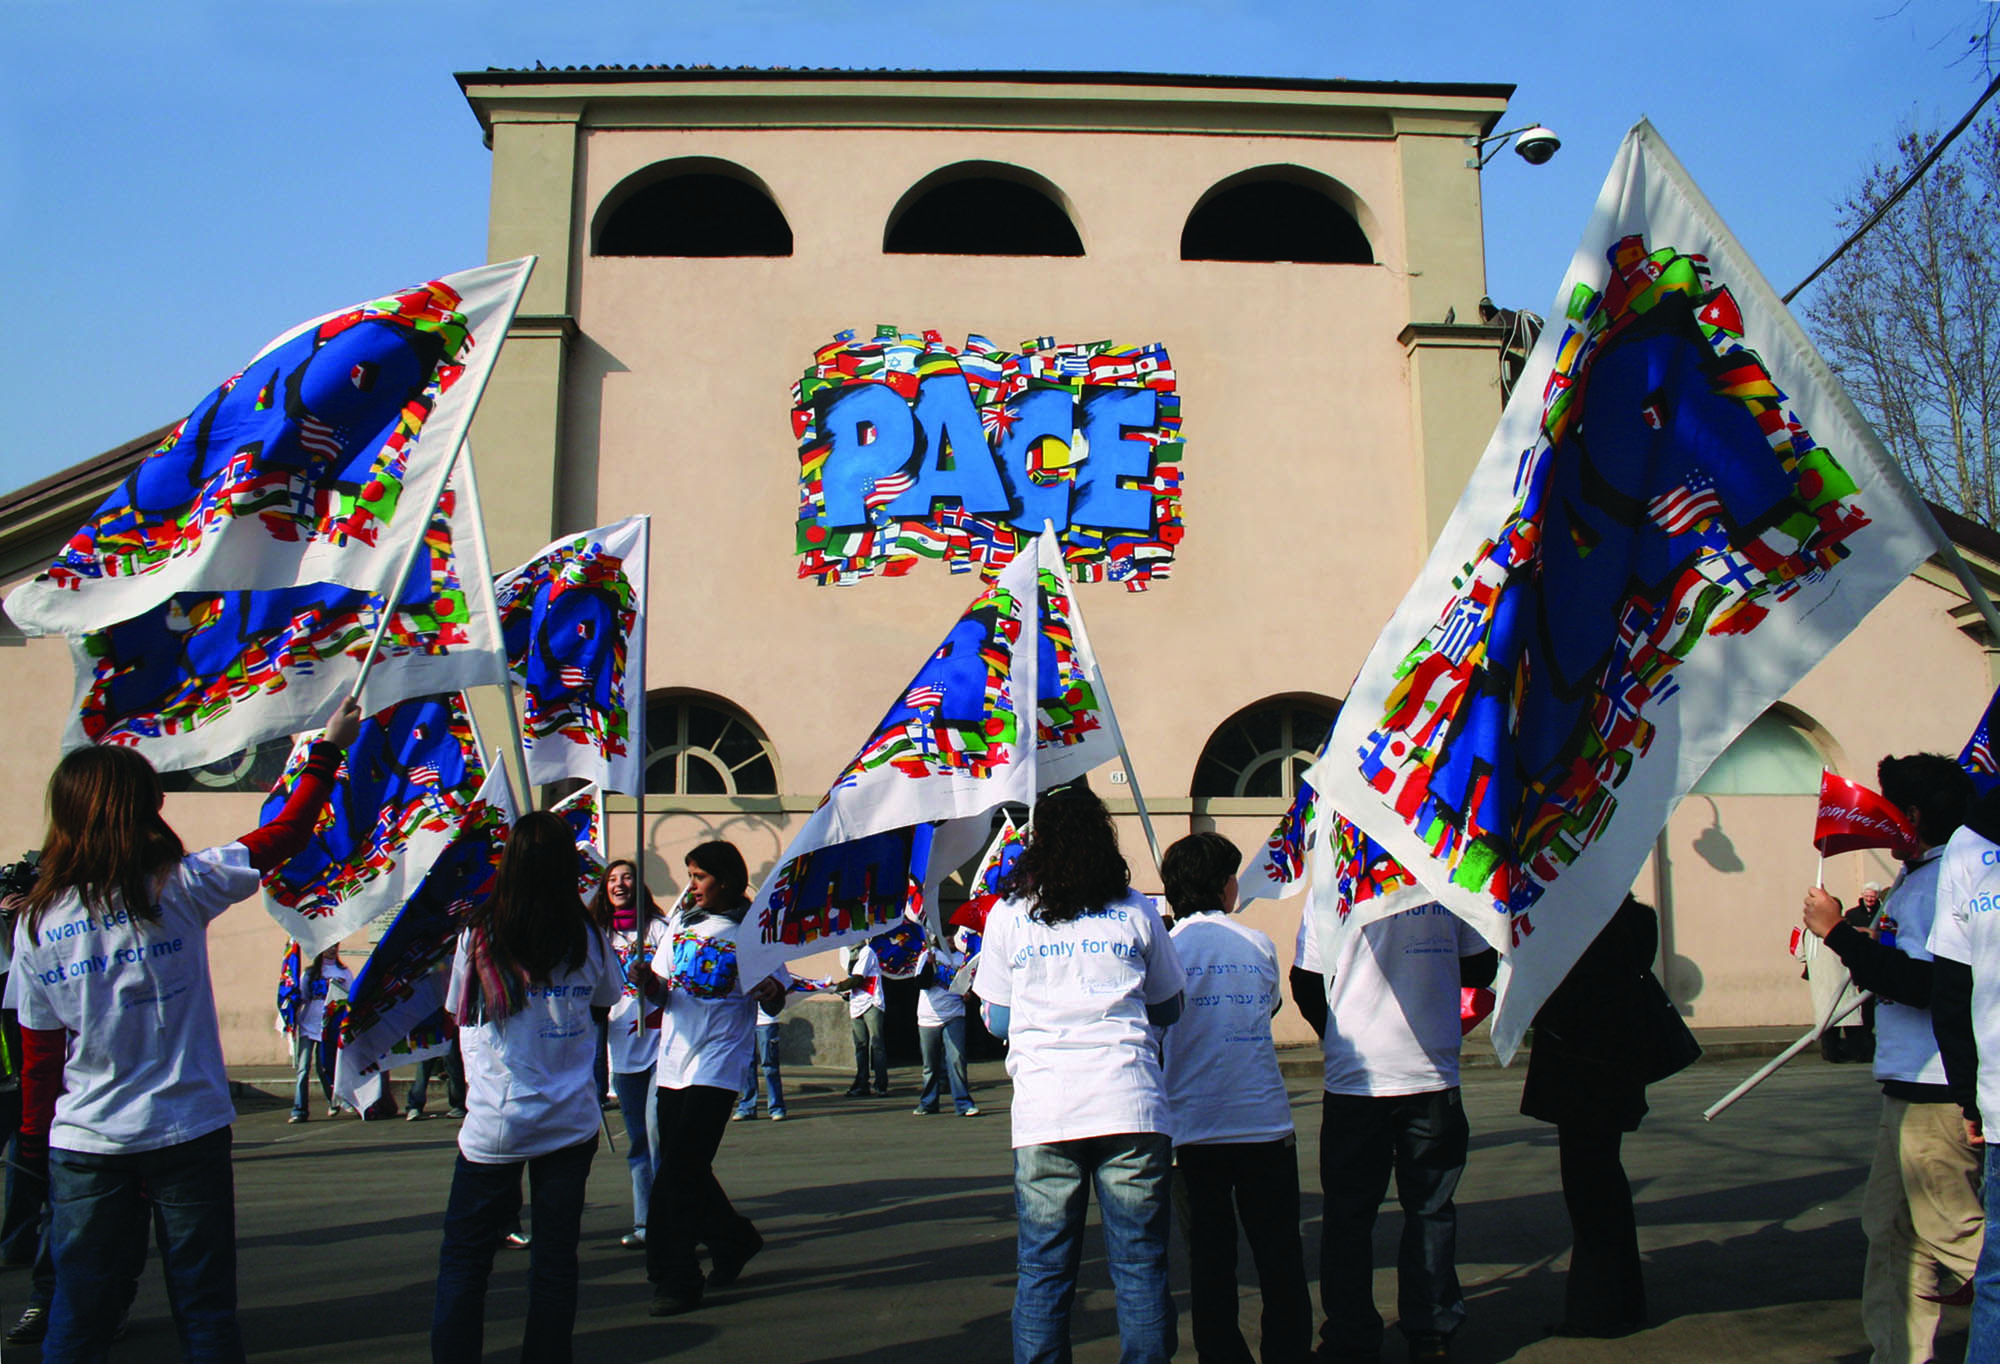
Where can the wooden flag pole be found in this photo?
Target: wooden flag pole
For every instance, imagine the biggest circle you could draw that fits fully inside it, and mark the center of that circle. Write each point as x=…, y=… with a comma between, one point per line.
x=1104, y=696
x=637, y=724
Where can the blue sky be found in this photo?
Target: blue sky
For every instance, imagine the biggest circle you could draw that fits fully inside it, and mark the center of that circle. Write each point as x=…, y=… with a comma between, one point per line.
x=180, y=182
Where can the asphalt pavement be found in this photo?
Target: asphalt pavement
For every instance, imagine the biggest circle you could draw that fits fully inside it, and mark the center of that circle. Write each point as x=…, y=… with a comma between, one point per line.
x=890, y=1237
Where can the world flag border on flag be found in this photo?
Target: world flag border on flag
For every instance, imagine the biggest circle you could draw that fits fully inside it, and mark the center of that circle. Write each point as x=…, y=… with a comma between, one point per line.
x=383, y=828
x=402, y=984
x=574, y=620
x=206, y=675
x=317, y=463
x=583, y=811
x=1521, y=772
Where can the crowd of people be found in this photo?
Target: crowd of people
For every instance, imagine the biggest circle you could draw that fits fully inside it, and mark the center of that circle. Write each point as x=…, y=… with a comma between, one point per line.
x=1139, y=1048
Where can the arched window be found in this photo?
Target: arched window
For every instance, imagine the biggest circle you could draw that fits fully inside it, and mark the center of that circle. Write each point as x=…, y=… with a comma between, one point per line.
x=1775, y=756
x=1277, y=213
x=698, y=206
x=254, y=769
x=1264, y=749
x=702, y=746
x=982, y=208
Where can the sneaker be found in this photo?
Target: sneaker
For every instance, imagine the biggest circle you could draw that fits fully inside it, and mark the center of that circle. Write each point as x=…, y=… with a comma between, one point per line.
x=414, y=1115
x=739, y=1115
x=33, y=1325
x=517, y=1239
x=334, y=1110
x=777, y=1115
x=856, y=1092
x=666, y=1304
x=296, y=1117
x=923, y=1112
x=454, y=1112
x=729, y=1263
x=971, y=1112
x=633, y=1239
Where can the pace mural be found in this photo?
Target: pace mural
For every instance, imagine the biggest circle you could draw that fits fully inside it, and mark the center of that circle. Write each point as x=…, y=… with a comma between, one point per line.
x=912, y=449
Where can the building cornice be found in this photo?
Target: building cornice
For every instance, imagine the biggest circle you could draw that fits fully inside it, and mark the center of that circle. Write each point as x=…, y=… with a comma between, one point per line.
x=1131, y=102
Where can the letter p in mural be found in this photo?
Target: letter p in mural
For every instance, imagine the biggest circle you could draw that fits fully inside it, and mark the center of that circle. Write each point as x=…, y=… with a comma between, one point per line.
x=912, y=449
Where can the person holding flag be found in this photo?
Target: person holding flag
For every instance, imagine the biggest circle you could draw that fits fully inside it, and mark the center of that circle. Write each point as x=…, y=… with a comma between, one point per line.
x=690, y=966
x=1921, y=1212
x=123, y=1079
x=530, y=977
x=633, y=1029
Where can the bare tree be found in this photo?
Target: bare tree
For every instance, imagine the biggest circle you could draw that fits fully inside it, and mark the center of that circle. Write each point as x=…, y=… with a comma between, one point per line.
x=1910, y=318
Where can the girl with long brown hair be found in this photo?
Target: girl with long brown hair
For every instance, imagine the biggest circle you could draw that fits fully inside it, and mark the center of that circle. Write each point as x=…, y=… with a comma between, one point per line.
x=123, y=1081
x=531, y=979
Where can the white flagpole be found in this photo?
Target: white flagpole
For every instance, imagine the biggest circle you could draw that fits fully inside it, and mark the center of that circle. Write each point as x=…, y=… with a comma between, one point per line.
x=395, y=593
x=1103, y=694
x=480, y=570
x=637, y=722
x=1770, y=1067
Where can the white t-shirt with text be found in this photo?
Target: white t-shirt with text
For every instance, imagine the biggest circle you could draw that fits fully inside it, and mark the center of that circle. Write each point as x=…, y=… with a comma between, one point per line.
x=939, y=1004
x=1967, y=931
x=145, y=1067
x=1392, y=1002
x=1223, y=1083
x=634, y=1026
x=530, y=1086
x=1905, y=1047
x=1083, y=1058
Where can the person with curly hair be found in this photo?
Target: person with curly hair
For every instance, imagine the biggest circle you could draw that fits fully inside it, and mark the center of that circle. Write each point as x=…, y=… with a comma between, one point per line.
x=1077, y=974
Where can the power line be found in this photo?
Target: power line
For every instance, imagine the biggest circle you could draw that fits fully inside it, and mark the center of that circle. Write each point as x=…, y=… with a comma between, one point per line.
x=1908, y=184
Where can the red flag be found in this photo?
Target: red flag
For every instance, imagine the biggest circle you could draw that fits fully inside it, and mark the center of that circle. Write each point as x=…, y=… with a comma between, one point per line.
x=1851, y=816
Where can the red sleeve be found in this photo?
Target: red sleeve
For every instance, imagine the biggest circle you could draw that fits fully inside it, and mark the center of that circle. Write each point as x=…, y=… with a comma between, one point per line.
x=43, y=1052
x=285, y=836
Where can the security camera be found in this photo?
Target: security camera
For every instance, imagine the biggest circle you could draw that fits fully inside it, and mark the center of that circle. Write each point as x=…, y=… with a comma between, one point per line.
x=1537, y=145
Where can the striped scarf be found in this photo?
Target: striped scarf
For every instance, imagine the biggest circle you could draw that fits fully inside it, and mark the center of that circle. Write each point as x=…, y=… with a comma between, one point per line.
x=487, y=990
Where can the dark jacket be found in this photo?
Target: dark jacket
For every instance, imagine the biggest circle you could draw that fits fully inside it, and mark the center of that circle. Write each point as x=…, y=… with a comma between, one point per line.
x=1584, y=1066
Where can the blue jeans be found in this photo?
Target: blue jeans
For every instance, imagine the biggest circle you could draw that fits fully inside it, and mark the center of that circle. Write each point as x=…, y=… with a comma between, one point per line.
x=1051, y=1194
x=451, y=1066
x=1423, y=1137
x=99, y=1214
x=944, y=1050
x=1983, y=1345
x=635, y=1094
x=485, y=1201
x=765, y=1054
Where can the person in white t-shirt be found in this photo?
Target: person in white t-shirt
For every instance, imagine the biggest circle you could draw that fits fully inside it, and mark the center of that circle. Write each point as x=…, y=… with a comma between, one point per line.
x=1921, y=1212
x=689, y=967
x=1076, y=973
x=941, y=1030
x=1232, y=1119
x=321, y=985
x=531, y=980
x=865, y=1000
x=1387, y=1012
x=766, y=1058
x=1965, y=1017
x=632, y=1031
x=123, y=1084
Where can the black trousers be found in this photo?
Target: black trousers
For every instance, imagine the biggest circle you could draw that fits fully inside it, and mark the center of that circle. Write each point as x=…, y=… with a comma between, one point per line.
x=1258, y=1183
x=1423, y=1138
x=1605, y=1290
x=688, y=1207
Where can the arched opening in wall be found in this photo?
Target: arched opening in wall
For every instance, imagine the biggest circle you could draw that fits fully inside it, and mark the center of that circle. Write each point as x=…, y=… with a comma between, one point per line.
x=1776, y=756
x=254, y=769
x=701, y=745
x=1264, y=749
x=1278, y=213
x=696, y=206
x=982, y=208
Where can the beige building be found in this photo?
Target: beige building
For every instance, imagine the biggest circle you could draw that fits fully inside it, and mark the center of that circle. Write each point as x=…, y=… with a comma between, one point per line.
x=1310, y=256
